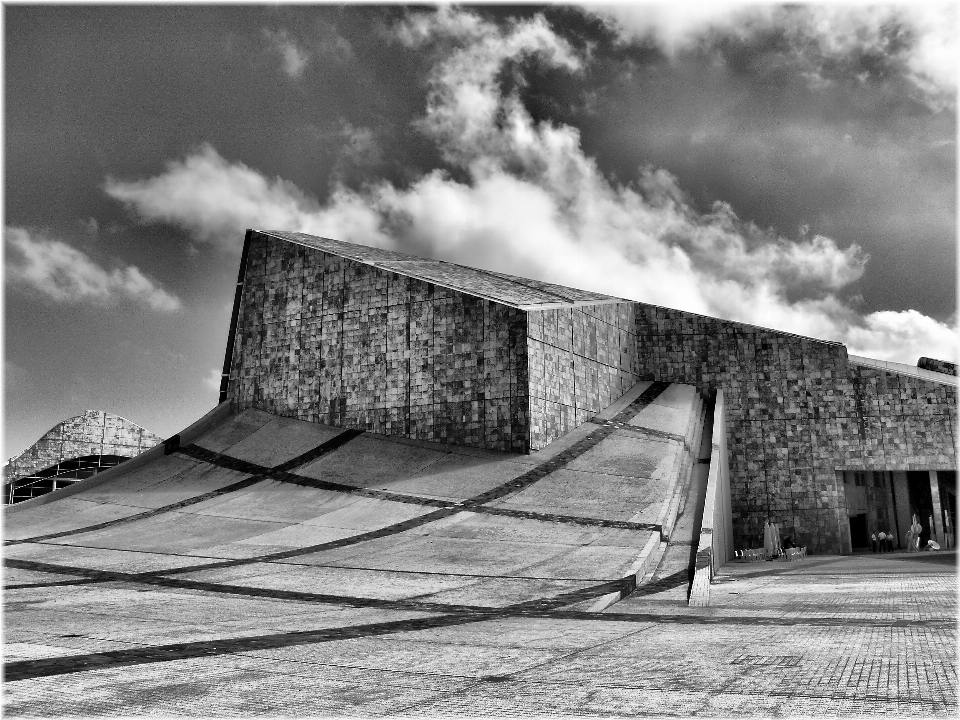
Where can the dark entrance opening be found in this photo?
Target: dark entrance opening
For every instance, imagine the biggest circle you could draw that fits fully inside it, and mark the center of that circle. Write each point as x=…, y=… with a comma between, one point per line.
x=859, y=536
x=921, y=501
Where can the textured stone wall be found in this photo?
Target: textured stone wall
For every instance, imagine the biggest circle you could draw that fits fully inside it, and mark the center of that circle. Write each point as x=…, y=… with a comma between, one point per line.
x=93, y=433
x=905, y=422
x=796, y=413
x=331, y=340
x=581, y=359
x=328, y=339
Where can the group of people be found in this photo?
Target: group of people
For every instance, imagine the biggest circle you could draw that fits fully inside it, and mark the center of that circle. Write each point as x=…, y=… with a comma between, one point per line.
x=882, y=541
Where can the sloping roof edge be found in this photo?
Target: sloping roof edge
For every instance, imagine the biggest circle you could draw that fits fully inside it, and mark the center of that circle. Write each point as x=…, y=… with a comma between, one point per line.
x=474, y=281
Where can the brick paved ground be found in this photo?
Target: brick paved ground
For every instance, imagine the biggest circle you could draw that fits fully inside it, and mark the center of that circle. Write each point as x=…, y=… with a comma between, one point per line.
x=827, y=637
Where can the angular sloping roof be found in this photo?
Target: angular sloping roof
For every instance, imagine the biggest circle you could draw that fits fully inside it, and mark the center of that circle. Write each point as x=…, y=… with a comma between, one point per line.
x=507, y=289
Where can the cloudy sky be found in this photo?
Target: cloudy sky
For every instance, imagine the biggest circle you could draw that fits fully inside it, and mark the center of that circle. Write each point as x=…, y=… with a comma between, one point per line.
x=792, y=167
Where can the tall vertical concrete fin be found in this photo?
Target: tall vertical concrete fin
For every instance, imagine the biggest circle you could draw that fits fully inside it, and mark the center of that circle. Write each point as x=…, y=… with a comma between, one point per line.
x=367, y=338
x=715, y=542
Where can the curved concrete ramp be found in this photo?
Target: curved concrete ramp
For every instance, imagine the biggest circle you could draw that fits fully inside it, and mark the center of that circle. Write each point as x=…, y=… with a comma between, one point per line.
x=265, y=506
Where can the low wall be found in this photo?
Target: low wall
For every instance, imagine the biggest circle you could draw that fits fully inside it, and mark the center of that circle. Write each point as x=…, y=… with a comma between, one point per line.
x=715, y=545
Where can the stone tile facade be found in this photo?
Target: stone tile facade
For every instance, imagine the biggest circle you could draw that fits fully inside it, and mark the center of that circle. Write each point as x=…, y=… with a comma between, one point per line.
x=797, y=412
x=324, y=338
x=93, y=433
x=360, y=343
x=580, y=360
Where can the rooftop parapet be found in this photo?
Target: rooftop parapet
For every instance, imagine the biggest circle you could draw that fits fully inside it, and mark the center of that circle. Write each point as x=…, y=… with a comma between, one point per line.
x=938, y=366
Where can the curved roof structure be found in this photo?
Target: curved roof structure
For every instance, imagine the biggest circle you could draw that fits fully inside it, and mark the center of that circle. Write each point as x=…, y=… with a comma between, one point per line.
x=93, y=433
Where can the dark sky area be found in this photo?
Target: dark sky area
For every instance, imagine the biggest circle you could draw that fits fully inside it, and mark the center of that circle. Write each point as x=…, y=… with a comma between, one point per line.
x=743, y=164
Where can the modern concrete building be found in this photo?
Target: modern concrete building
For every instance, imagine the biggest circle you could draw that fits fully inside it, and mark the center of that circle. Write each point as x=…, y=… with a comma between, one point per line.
x=828, y=445
x=431, y=490
x=72, y=450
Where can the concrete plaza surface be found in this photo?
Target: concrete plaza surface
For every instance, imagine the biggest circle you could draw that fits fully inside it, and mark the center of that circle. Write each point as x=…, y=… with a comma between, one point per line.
x=262, y=565
x=829, y=637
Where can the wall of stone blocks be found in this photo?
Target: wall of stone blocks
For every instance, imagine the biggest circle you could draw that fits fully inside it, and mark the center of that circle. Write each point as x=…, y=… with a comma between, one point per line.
x=904, y=422
x=797, y=412
x=326, y=339
x=92, y=433
x=581, y=359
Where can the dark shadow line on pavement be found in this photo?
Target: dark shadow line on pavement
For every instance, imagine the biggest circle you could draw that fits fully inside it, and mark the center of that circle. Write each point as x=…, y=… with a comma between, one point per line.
x=46, y=667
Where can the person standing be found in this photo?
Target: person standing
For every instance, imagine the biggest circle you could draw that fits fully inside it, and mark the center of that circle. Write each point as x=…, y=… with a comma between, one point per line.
x=890, y=542
x=873, y=541
x=881, y=541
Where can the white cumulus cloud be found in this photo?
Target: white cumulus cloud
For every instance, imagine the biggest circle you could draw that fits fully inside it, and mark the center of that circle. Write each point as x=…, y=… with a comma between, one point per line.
x=913, y=334
x=213, y=198
x=66, y=274
x=531, y=202
x=919, y=38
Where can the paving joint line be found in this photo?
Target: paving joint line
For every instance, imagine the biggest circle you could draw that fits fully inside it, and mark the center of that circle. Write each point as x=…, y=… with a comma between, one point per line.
x=294, y=595
x=271, y=568
x=45, y=667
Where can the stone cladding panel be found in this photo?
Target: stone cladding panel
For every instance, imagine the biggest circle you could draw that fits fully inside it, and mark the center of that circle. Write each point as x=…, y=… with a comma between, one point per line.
x=328, y=339
x=581, y=359
x=797, y=412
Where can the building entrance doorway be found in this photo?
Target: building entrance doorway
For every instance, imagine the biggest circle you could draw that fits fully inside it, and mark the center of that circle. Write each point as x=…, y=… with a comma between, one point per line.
x=859, y=535
x=921, y=501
